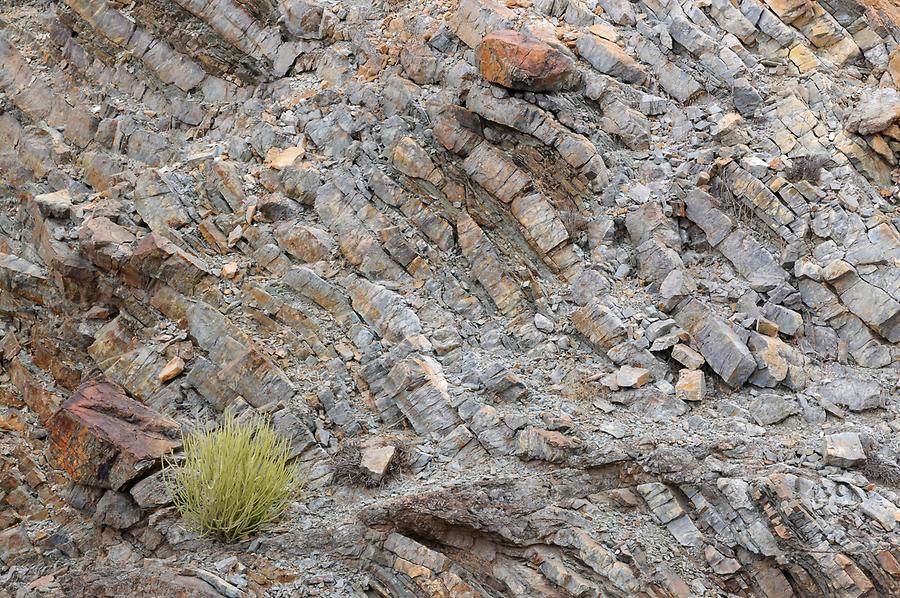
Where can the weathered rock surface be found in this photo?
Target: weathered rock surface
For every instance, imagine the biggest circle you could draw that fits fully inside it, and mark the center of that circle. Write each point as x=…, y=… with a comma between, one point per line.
x=102, y=437
x=601, y=297
x=516, y=61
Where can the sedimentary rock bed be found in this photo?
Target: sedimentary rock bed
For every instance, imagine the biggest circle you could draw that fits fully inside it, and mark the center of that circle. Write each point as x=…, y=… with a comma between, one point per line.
x=569, y=298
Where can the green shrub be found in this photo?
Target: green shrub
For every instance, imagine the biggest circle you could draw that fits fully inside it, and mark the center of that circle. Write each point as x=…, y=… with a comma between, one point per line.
x=234, y=480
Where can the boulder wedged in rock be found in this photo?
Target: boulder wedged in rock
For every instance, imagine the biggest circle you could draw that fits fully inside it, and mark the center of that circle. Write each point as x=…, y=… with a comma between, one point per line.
x=722, y=349
x=517, y=61
x=875, y=112
x=102, y=437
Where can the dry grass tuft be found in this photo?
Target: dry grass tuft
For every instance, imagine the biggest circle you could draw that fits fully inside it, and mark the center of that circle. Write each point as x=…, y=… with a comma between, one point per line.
x=234, y=480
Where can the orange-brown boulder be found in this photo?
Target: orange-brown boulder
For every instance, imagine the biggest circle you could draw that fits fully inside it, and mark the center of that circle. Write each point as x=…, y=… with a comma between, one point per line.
x=517, y=61
x=102, y=437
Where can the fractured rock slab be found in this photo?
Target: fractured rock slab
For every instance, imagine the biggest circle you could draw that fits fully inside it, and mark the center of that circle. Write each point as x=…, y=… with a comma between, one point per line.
x=102, y=437
x=723, y=350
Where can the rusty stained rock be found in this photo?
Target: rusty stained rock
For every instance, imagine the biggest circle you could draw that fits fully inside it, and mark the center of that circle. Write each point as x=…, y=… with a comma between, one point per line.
x=518, y=61
x=102, y=437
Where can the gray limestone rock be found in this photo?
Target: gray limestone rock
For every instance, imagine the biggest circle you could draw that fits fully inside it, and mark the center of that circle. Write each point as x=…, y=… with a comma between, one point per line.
x=844, y=450
x=117, y=510
x=723, y=350
x=770, y=409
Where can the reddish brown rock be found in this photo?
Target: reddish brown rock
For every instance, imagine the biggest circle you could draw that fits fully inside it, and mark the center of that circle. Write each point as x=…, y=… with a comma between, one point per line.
x=9, y=347
x=101, y=437
x=517, y=61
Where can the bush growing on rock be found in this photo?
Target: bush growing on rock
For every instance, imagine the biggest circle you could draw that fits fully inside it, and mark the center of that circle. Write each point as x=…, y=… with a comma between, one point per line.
x=234, y=480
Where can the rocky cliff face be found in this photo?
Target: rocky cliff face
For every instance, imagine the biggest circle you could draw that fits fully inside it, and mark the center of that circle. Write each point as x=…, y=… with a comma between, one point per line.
x=568, y=298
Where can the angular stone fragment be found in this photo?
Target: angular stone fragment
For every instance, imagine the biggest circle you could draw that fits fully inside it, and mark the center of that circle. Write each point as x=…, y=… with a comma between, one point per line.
x=691, y=385
x=303, y=19
x=301, y=182
x=376, y=460
x=752, y=260
x=117, y=510
x=844, y=450
x=157, y=200
x=720, y=563
x=599, y=558
x=854, y=392
x=306, y=243
x=676, y=82
x=54, y=205
x=171, y=370
x=872, y=304
x=669, y=512
x=355, y=241
x=876, y=111
x=703, y=210
x=503, y=384
x=786, y=321
x=723, y=350
x=9, y=347
x=419, y=62
x=674, y=288
x=687, y=356
x=411, y=159
x=159, y=258
x=14, y=544
x=415, y=553
x=771, y=360
x=151, y=492
x=279, y=159
x=474, y=19
x=746, y=98
x=546, y=445
x=770, y=409
x=384, y=310
x=24, y=279
x=610, y=59
x=420, y=391
x=543, y=323
x=631, y=377
x=767, y=327
x=517, y=61
x=103, y=438
x=620, y=11
x=690, y=36
x=881, y=510
x=486, y=265
x=599, y=325
x=545, y=229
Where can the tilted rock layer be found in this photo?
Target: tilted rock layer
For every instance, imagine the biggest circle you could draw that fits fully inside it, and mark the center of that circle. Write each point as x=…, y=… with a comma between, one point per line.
x=568, y=298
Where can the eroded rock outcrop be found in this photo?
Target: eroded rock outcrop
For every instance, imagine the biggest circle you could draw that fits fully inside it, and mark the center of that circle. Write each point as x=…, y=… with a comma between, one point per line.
x=549, y=298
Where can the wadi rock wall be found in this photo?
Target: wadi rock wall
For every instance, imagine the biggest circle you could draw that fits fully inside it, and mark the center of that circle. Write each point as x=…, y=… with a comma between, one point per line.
x=568, y=298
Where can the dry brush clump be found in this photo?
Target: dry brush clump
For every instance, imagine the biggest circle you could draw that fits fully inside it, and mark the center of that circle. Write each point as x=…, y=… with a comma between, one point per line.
x=347, y=462
x=882, y=470
x=807, y=168
x=233, y=481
